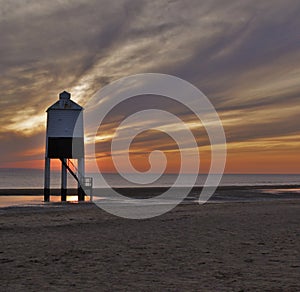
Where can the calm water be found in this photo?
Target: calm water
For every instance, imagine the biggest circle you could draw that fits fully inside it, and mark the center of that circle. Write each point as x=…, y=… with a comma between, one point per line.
x=33, y=179
x=28, y=178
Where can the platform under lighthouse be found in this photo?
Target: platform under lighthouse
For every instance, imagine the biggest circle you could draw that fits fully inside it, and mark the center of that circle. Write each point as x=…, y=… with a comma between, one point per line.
x=65, y=141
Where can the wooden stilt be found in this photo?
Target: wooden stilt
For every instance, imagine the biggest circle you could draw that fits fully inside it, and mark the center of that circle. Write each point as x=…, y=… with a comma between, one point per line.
x=47, y=180
x=81, y=170
x=63, y=190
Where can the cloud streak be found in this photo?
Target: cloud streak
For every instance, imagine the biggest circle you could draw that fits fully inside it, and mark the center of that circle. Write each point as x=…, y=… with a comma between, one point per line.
x=244, y=55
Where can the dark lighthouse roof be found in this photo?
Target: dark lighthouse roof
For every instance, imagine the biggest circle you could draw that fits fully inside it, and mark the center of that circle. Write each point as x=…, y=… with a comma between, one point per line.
x=65, y=102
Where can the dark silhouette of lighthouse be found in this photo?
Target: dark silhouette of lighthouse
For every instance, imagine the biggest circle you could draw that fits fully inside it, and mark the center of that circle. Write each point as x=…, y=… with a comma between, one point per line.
x=65, y=141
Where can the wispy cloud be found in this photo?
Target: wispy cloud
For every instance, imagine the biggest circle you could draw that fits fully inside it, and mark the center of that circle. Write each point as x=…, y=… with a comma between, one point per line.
x=244, y=55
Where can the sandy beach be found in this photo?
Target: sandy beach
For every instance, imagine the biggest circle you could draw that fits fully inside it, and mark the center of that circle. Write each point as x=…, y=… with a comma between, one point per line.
x=213, y=247
x=183, y=110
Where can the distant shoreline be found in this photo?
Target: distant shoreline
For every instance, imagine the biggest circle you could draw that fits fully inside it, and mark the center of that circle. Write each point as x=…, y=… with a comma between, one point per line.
x=223, y=194
x=72, y=191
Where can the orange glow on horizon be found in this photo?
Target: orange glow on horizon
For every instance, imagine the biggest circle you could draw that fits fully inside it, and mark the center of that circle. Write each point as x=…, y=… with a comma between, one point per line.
x=245, y=161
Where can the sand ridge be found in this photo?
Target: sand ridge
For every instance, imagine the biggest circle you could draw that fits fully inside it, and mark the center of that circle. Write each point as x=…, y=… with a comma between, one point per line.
x=214, y=247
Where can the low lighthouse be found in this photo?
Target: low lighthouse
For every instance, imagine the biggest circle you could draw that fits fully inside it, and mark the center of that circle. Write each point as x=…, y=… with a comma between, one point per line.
x=65, y=141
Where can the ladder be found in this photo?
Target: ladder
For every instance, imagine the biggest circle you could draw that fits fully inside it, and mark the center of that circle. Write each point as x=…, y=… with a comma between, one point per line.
x=85, y=183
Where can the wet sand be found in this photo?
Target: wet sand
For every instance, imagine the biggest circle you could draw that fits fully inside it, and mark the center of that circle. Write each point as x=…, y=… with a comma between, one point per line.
x=213, y=247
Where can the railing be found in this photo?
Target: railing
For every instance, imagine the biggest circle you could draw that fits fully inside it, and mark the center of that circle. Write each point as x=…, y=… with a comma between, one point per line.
x=87, y=182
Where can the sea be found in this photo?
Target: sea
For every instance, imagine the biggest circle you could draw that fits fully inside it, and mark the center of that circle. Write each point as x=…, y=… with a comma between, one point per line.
x=13, y=178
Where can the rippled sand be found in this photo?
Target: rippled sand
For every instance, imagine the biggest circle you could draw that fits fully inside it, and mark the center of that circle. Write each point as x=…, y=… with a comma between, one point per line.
x=214, y=247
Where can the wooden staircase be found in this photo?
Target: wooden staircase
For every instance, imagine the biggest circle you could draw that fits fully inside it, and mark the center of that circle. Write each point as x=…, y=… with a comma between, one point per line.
x=84, y=183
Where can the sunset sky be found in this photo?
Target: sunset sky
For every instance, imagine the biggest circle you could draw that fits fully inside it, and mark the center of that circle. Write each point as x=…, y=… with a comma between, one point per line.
x=243, y=55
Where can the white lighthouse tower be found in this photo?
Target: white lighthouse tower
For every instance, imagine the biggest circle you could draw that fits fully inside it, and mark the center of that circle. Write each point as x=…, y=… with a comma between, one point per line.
x=65, y=142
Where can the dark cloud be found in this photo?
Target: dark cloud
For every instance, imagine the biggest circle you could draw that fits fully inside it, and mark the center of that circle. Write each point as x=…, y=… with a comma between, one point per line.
x=244, y=55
